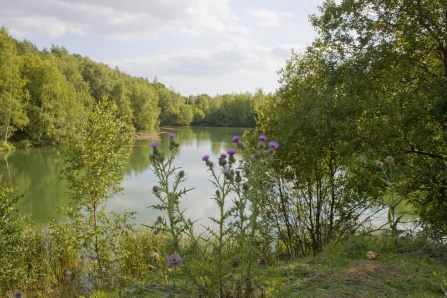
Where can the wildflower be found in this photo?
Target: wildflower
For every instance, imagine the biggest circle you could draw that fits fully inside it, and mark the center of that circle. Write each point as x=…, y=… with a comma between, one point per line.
x=238, y=176
x=207, y=161
x=389, y=159
x=235, y=139
x=156, y=152
x=231, y=152
x=18, y=294
x=171, y=134
x=273, y=144
x=174, y=260
x=222, y=160
x=155, y=231
x=379, y=164
x=262, y=138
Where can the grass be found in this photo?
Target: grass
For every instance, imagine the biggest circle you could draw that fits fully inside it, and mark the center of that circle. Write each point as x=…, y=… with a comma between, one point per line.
x=415, y=268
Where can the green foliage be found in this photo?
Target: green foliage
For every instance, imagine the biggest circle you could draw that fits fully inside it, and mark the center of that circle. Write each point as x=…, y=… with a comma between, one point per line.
x=12, y=99
x=12, y=273
x=322, y=186
x=94, y=172
x=224, y=259
x=390, y=58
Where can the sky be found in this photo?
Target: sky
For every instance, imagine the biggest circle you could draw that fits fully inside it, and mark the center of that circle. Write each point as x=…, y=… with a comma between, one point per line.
x=192, y=46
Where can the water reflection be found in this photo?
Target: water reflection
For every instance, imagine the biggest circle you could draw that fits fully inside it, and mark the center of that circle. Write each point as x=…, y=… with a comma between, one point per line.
x=36, y=174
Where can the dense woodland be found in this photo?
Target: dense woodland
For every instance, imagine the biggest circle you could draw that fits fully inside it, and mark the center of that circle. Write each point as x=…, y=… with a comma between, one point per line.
x=358, y=124
x=46, y=94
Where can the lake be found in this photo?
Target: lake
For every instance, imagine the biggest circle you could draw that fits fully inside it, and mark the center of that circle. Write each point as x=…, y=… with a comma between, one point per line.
x=36, y=174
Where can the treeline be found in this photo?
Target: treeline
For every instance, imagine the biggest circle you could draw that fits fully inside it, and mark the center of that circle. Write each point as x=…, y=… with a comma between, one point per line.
x=44, y=95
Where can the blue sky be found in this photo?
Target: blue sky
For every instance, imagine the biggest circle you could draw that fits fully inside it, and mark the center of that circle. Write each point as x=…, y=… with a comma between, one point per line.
x=192, y=46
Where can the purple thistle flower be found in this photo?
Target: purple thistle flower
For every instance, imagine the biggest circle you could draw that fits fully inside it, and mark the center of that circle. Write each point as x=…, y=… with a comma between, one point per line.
x=223, y=155
x=262, y=138
x=235, y=139
x=379, y=164
x=154, y=145
x=206, y=157
x=155, y=232
x=231, y=151
x=225, y=169
x=273, y=144
x=238, y=172
x=174, y=260
x=171, y=134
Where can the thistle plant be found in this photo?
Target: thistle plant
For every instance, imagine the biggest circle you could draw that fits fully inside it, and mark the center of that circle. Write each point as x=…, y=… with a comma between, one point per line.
x=247, y=186
x=222, y=179
x=222, y=259
x=169, y=193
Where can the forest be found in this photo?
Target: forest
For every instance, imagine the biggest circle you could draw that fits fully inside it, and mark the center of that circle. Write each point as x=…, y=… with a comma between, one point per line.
x=358, y=124
x=44, y=95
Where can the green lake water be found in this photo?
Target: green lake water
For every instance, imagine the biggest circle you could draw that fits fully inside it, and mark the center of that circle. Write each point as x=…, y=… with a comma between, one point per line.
x=36, y=174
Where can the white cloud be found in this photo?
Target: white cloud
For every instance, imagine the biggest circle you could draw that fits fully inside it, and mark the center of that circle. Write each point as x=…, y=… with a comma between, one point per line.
x=268, y=18
x=130, y=19
x=239, y=65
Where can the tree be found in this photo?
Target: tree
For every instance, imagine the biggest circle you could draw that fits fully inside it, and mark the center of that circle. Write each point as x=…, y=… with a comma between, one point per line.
x=12, y=98
x=393, y=58
x=94, y=172
x=319, y=190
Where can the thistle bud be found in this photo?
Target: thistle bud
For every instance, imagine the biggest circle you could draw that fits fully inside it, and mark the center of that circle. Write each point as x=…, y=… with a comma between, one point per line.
x=222, y=161
x=155, y=188
x=240, y=145
x=217, y=193
x=246, y=186
x=181, y=174
x=228, y=176
x=238, y=178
